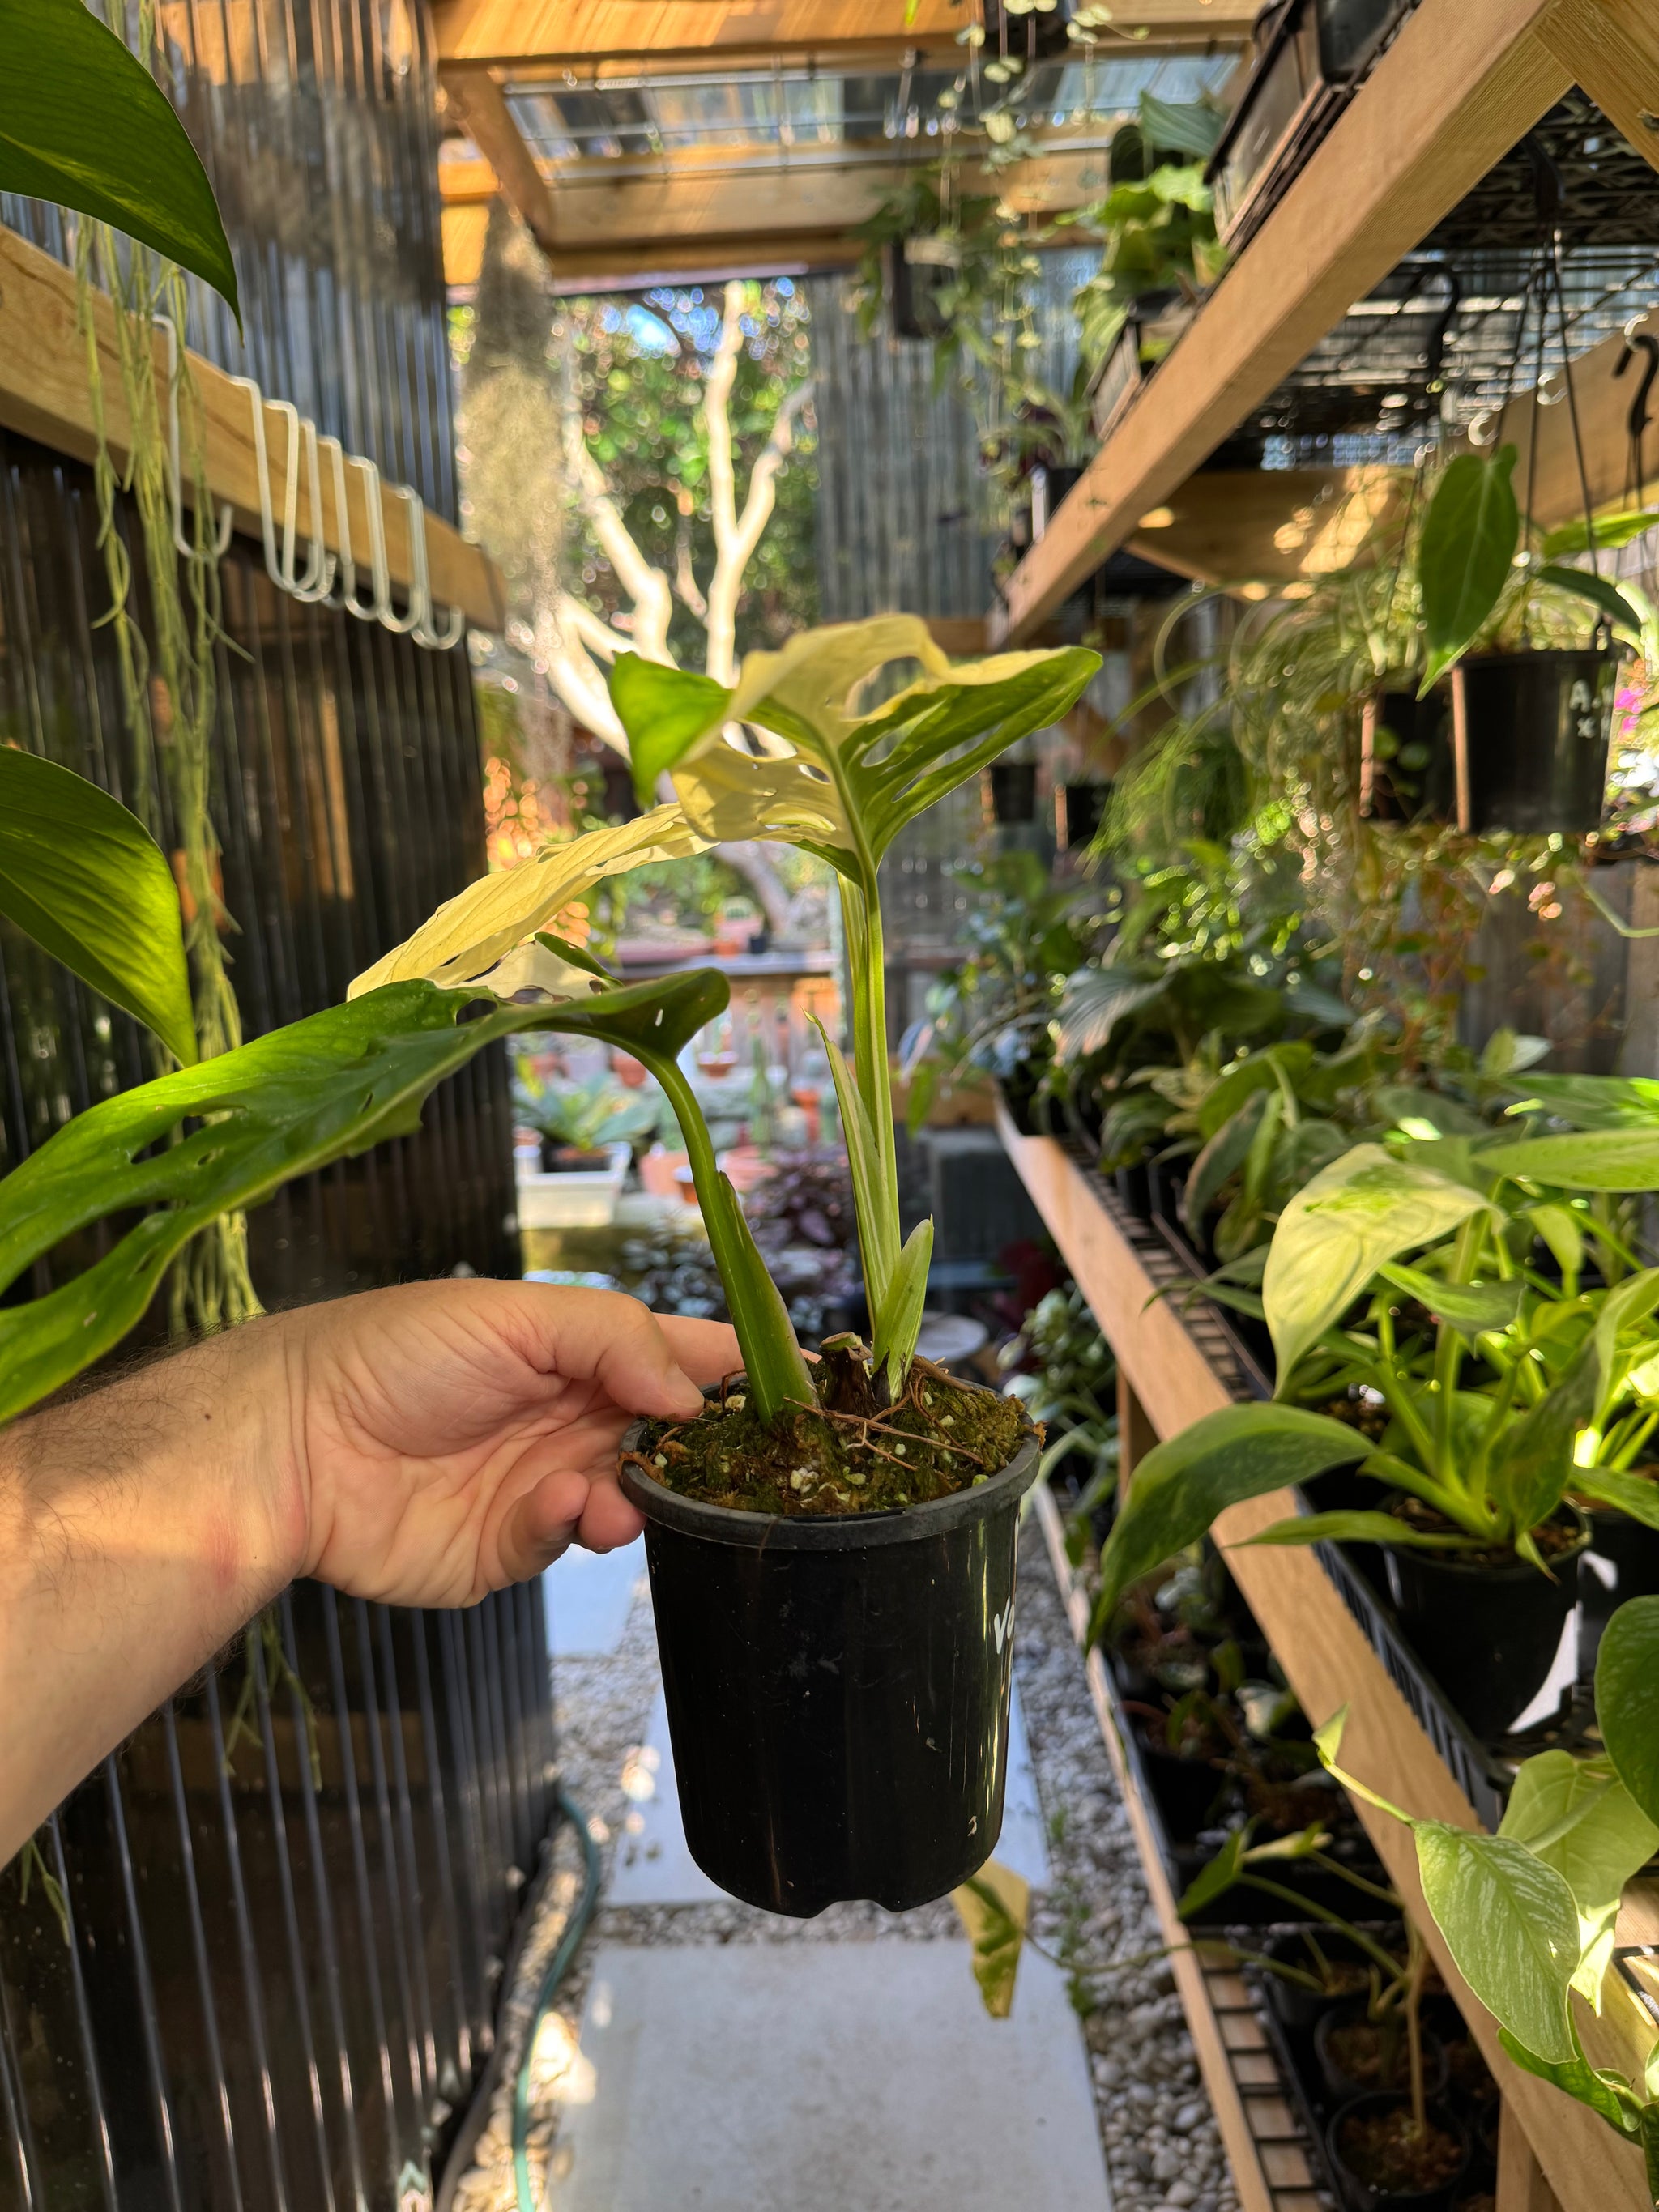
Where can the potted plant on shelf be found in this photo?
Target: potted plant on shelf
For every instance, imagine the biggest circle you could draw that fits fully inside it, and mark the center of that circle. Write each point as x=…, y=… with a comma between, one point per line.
x=1473, y=1391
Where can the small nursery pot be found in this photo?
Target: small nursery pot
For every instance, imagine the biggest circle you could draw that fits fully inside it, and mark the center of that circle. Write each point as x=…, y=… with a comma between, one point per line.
x=1530, y=732
x=1290, y=2002
x=1360, y=2195
x=837, y=1688
x=1342, y=2086
x=1488, y=1635
x=1013, y=791
x=1622, y=1561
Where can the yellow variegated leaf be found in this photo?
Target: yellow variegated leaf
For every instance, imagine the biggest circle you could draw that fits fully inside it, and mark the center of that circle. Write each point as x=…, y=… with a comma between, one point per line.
x=471, y=931
x=729, y=793
x=814, y=676
x=997, y=669
x=994, y=1906
x=534, y=973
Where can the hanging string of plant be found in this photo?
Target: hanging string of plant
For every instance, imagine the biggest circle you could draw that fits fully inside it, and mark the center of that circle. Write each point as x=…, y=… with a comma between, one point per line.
x=169, y=691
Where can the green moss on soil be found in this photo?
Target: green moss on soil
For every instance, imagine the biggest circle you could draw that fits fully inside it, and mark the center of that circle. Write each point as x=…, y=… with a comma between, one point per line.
x=940, y=1438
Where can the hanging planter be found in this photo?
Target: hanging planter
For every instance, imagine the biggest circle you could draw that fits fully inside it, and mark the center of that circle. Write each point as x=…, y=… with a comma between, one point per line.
x=837, y=1688
x=1405, y=756
x=1013, y=792
x=1530, y=734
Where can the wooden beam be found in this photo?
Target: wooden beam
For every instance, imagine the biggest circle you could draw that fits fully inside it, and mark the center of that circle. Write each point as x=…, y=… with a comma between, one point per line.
x=1270, y=526
x=699, y=209
x=478, y=104
x=1611, y=48
x=43, y=394
x=1461, y=83
x=593, y=35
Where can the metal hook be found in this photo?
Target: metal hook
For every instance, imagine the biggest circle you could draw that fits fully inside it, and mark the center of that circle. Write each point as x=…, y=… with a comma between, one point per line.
x=379, y=608
x=345, y=572
x=419, y=607
x=319, y=577
x=1633, y=326
x=1483, y=427
x=175, y=480
x=1546, y=397
x=262, y=470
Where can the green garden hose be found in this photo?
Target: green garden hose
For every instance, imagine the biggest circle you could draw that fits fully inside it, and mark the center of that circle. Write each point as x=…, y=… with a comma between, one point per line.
x=557, y=1966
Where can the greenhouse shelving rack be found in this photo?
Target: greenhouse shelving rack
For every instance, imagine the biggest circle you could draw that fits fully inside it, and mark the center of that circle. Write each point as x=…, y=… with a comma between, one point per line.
x=1463, y=82
x=1174, y=1369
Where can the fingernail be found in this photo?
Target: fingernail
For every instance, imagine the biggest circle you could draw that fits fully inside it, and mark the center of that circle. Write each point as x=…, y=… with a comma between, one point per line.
x=685, y=1390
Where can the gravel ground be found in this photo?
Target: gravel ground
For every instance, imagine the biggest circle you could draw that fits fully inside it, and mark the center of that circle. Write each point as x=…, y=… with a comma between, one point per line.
x=1162, y=2151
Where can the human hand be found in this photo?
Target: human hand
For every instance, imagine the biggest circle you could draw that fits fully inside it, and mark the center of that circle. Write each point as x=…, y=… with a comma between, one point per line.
x=451, y=1437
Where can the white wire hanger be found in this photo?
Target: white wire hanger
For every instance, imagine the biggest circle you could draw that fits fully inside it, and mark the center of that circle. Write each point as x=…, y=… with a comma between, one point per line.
x=328, y=576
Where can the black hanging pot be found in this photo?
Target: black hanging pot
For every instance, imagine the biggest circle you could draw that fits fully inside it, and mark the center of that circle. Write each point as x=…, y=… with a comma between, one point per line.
x=1530, y=732
x=1080, y=808
x=1013, y=791
x=1302, y=2008
x=1355, y=2173
x=1487, y=1634
x=1406, y=756
x=837, y=1688
x=1622, y=1561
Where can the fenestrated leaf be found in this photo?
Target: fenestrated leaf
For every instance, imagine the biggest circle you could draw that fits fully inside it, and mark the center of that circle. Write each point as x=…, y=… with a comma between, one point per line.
x=1471, y=1307
x=290, y=1103
x=82, y=122
x=1355, y=1215
x=87, y=881
x=1511, y=1926
x=1594, y=1159
x=994, y=1906
x=728, y=795
x=664, y=712
x=1627, y=1698
x=468, y=933
x=1179, y=1488
x=1463, y=562
x=1577, y=1816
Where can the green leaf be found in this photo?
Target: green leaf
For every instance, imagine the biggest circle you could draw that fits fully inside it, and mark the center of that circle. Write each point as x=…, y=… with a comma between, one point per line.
x=878, y=1228
x=1635, y=1494
x=1595, y=1102
x=1580, y=2080
x=1532, y=1464
x=897, y=1324
x=1218, y=1876
x=1096, y=1001
x=1469, y=545
x=664, y=711
x=1602, y=594
x=1611, y=530
x=87, y=881
x=1599, y=1159
x=1470, y=1307
x=1355, y=1216
x=82, y=122
x=994, y=1906
x=1511, y=1926
x=1577, y=1816
x=316, y=1092
x=1559, y=1227
x=1355, y=1526
x=1627, y=1698
x=1183, y=126
x=1179, y=1488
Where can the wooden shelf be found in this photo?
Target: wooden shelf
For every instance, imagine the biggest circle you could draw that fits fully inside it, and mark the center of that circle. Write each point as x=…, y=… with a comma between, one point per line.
x=42, y=394
x=1178, y=1369
x=1269, y=2166
x=1461, y=83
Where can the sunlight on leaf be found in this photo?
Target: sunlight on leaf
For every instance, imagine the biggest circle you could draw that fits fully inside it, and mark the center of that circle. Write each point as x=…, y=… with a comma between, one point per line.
x=994, y=1906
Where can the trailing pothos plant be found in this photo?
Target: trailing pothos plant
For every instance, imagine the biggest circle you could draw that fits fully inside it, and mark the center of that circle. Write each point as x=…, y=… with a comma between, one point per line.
x=1493, y=1390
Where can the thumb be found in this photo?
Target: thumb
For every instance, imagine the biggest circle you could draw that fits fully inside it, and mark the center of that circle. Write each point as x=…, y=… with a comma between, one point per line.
x=638, y=1369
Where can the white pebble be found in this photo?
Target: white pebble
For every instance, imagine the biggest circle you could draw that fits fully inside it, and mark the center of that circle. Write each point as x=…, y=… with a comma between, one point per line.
x=661, y=1459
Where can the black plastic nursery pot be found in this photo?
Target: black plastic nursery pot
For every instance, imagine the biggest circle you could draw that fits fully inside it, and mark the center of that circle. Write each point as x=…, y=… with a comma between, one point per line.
x=1342, y=2087
x=1530, y=732
x=1013, y=791
x=1079, y=810
x=1358, y=2195
x=1488, y=1634
x=837, y=1688
x=1302, y=2008
x=1621, y=1561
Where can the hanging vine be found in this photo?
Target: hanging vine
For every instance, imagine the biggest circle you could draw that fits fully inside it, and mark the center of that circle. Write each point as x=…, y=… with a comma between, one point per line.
x=169, y=693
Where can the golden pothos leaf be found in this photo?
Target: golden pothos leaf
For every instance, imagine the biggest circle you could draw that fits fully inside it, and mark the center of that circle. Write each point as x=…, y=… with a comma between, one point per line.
x=994, y=1906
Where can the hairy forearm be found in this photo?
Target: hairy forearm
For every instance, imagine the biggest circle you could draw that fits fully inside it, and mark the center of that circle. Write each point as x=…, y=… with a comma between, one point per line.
x=140, y=1527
